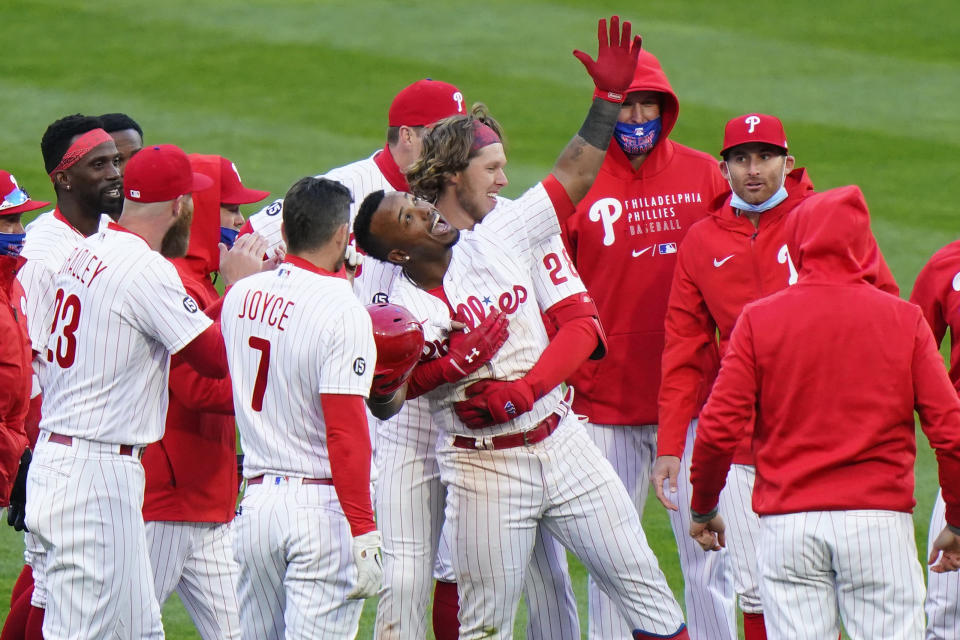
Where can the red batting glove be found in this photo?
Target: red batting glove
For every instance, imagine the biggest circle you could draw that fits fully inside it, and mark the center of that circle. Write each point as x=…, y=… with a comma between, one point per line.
x=491, y=402
x=616, y=62
x=470, y=351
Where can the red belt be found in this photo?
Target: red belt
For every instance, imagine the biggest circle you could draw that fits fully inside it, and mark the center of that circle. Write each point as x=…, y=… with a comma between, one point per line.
x=122, y=449
x=327, y=481
x=510, y=440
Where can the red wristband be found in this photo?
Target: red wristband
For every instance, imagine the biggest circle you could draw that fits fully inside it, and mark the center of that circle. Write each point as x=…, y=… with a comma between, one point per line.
x=609, y=96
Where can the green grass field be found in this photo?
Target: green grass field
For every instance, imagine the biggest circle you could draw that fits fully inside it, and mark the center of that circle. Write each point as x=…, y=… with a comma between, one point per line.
x=867, y=90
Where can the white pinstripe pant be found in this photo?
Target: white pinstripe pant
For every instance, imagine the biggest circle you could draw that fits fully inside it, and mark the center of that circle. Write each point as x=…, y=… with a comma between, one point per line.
x=860, y=565
x=743, y=534
x=943, y=589
x=84, y=503
x=35, y=555
x=495, y=501
x=708, y=590
x=196, y=560
x=293, y=545
x=410, y=501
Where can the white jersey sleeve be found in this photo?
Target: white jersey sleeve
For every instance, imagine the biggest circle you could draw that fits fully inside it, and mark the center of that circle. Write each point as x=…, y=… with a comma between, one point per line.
x=351, y=354
x=553, y=274
x=523, y=223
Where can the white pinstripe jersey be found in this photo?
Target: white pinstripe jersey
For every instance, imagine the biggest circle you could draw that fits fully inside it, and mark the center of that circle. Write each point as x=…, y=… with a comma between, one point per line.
x=291, y=335
x=362, y=178
x=120, y=310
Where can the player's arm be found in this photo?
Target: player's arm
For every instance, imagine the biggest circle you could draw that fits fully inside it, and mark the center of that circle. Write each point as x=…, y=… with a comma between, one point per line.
x=723, y=422
x=690, y=346
x=927, y=294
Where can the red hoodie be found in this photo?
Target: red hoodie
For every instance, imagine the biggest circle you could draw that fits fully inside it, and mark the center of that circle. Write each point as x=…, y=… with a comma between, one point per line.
x=191, y=474
x=724, y=263
x=16, y=373
x=835, y=368
x=623, y=238
x=937, y=291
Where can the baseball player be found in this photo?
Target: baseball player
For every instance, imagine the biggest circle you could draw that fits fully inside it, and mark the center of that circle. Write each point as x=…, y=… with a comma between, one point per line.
x=649, y=191
x=16, y=378
x=833, y=435
x=454, y=173
x=936, y=292
x=515, y=456
x=126, y=134
x=119, y=311
x=191, y=473
x=302, y=358
x=86, y=180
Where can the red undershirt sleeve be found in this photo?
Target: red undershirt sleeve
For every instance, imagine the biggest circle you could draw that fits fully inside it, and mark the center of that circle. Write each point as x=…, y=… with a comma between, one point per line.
x=348, y=446
x=576, y=339
x=562, y=203
x=207, y=353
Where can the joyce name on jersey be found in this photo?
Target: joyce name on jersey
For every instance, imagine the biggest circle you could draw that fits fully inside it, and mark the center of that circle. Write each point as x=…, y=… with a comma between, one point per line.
x=120, y=310
x=292, y=334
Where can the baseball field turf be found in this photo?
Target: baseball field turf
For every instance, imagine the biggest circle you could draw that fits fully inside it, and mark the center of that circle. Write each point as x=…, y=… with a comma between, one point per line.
x=867, y=90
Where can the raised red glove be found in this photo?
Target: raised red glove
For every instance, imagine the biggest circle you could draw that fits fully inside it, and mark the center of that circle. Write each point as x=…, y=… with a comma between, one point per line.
x=470, y=351
x=616, y=62
x=491, y=402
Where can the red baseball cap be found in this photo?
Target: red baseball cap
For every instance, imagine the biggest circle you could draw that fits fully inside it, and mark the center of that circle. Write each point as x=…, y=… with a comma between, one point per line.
x=424, y=102
x=15, y=199
x=754, y=127
x=160, y=173
x=232, y=190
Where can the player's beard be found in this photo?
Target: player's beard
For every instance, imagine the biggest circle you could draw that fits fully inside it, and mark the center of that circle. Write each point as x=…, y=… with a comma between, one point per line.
x=177, y=238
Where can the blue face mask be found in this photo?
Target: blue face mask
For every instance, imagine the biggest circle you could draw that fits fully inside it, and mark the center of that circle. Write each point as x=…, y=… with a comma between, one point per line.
x=779, y=196
x=228, y=236
x=637, y=139
x=11, y=244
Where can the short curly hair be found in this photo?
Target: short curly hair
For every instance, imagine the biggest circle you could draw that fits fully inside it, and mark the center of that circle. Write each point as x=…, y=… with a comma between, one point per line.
x=447, y=149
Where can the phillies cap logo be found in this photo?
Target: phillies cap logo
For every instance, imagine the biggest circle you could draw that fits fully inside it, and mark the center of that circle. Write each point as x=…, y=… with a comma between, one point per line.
x=458, y=98
x=753, y=121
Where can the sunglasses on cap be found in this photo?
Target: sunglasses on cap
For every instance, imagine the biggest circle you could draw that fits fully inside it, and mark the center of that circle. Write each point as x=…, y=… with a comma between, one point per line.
x=14, y=199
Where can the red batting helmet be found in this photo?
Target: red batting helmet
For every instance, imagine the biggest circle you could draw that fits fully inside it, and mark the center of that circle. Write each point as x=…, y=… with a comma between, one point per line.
x=399, y=339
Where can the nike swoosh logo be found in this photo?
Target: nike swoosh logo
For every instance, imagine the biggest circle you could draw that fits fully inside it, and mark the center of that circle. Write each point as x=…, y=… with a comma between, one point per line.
x=637, y=254
x=719, y=263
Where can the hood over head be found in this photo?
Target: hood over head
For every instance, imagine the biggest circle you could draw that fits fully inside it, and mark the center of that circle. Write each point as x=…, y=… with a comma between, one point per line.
x=829, y=238
x=649, y=76
x=203, y=253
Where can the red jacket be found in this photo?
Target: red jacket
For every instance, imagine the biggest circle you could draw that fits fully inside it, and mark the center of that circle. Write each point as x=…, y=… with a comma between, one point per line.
x=835, y=368
x=623, y=238
x=16, y=373
x=192, y=472
x=937, y=291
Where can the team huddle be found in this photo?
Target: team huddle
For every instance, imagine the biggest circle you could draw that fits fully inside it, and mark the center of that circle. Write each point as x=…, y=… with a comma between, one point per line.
x=440, y=391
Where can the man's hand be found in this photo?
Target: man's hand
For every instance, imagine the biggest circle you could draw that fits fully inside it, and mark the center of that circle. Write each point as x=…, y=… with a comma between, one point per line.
x=271, y=263
x=244, y=258
x=616, y=62
x=470, y=351
x=366, y=555
x=491, y=402
x=947, y=543
x=17, y=510
x=710, y=535
x=666, y=468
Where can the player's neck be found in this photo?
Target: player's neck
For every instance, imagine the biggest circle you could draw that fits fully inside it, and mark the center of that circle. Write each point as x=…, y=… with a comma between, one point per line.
x=427, y=275
x=325, y=258
x=83, y=220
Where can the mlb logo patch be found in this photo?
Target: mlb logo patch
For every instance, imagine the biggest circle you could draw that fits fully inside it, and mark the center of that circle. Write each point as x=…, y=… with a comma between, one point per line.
x=667, y=247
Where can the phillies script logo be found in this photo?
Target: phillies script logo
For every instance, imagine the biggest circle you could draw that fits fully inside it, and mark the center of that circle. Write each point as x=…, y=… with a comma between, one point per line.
x=475, y=310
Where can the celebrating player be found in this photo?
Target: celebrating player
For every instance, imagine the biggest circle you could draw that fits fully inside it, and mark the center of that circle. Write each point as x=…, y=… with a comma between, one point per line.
x=833, y=436
x=302, y=359
x=515, y=456
x=120, y=310
x=191, y=474
x=627, y=229
x=935, y=291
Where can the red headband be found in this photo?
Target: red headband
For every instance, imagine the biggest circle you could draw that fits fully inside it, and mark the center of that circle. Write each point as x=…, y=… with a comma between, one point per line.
x=81, y=147
x=482, y=136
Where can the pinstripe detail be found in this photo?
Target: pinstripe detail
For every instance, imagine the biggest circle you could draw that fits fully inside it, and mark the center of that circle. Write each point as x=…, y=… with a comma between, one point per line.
x=743, y=534
x=943, y=589
x=195, y=559
x=815, y=571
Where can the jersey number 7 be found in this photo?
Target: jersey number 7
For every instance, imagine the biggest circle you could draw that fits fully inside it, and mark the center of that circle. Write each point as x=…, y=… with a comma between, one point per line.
x=66, y=306
x=263, y=368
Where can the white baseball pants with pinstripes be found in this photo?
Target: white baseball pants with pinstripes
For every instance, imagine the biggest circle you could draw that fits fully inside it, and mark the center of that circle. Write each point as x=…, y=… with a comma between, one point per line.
x=943, y=589
x=819, y=567
x=708, y=587
x=195, y=559
x=84, y=503
x=410, y=501
x=496, y=500
x=35, y=555
x=293, y=545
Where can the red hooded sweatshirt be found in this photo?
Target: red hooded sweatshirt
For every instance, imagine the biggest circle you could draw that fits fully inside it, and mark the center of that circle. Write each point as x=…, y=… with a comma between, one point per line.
x=16, y=374
x=937, y=291
x=724, y=263
x=191, y=474
x=623, y=238
x=835, y=368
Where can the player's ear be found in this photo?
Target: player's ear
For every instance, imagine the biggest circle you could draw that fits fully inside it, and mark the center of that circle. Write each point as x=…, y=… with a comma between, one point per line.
x=398, y=256
x=790, y=163
x=724, y=171
x=283, y=233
